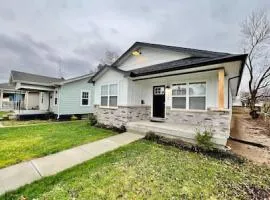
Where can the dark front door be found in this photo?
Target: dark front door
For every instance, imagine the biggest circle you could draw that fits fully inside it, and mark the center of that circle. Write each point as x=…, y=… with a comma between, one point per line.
x=159, y=101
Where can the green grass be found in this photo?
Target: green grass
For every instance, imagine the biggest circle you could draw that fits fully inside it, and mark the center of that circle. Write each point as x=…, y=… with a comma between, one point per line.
x=24, y=143
x=146, y=170
x=26, y=122
x=3, y=113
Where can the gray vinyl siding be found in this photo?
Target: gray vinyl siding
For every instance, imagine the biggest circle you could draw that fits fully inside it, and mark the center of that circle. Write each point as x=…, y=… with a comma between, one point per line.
x=70, y=98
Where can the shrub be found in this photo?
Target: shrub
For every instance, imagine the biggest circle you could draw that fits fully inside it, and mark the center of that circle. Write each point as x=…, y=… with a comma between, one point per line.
x=73, y=118
x=178, y=143
x=204, y=139
x=151, y=136
x=266, y=107
x=120, y=129
x=92, y=120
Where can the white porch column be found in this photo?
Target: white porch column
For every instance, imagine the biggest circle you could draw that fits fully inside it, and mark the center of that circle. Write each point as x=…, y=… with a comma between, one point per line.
x=26, y=100
x=221, y=74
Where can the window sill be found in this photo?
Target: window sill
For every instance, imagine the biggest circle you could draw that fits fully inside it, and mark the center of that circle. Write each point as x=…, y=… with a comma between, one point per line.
x=85, y=105
x=187, y=110
x=106, y=107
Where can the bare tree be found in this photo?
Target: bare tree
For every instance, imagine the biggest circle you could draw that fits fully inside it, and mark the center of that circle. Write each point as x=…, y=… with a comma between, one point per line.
x=256, y=37
x=109, y=58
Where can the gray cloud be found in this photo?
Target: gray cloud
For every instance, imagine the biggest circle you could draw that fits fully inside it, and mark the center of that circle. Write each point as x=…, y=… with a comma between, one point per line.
x=38, y=36
x=7, y=14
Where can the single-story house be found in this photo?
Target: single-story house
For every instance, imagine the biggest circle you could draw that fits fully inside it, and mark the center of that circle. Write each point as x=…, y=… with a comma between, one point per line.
x=45, y=94
x=181, y=88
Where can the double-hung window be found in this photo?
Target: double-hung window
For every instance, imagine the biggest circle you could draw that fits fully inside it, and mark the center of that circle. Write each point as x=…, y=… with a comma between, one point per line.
x=197, y=96
x=109, y=95
x=179, y=92
x=85, y=95
x=189, y=96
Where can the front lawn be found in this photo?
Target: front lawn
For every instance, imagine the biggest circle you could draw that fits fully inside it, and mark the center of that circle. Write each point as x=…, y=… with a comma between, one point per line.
x=24, y=122
x=2, y=113
x=24, y=143
x=146, y=170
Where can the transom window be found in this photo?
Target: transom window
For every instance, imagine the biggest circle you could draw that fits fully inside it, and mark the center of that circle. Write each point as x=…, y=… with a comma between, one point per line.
x=85, y=95
x=159, y=90
x=195, y=98
x=109, y=95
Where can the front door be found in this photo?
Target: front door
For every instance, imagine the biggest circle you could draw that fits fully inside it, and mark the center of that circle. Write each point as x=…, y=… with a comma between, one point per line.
x=43, y=101
x=159, y=101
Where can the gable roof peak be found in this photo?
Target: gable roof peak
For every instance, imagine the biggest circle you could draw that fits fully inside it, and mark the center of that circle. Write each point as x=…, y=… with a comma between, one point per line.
x=193, y=52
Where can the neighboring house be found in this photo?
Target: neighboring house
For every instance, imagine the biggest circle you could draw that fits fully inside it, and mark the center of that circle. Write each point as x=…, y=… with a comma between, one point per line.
x=172, y=84
x=45, y=94
x=10, y=98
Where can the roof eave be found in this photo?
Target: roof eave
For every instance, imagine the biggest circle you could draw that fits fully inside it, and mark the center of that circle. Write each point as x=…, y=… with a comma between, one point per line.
x=95, y=77
x=75, y=79
x=241, y=72
x=200, y=64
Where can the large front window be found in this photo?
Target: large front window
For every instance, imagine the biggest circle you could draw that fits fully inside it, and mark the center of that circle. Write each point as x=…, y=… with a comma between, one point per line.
x=194, y=99
x=109, y=95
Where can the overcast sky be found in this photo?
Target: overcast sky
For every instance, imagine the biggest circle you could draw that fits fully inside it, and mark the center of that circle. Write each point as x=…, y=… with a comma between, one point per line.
x=37, y=35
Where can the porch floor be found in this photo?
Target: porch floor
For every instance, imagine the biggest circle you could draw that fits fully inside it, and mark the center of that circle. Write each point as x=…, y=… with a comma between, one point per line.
x=30, y=112
x=185, y=132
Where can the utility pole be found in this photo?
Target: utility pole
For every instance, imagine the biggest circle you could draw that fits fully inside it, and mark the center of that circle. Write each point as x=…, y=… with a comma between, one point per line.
x=60, y=74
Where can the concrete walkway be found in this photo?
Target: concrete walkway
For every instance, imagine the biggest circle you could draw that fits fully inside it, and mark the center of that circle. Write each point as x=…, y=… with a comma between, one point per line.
x=23, y=173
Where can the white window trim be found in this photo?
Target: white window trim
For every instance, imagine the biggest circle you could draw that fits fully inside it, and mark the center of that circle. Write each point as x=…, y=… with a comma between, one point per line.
x=108, y=95
x=54, y=96
x=187, y=96
x=85, y=98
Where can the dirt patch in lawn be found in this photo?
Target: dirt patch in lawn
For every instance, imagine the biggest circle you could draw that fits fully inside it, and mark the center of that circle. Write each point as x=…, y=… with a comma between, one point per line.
x=254, y=131
x=256, y=193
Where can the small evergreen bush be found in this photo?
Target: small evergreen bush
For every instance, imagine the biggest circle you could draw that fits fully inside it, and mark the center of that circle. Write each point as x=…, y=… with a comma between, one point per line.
x=92, y=120
x=73, y=118
x=204, y=139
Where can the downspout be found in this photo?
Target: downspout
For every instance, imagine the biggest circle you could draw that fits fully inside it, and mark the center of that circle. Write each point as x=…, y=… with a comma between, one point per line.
x=58, y=109
x=229, y=89
x=49, y=107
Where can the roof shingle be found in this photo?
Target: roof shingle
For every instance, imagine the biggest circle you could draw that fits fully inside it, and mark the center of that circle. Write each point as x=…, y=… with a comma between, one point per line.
x=7, y=86
x=27, y=77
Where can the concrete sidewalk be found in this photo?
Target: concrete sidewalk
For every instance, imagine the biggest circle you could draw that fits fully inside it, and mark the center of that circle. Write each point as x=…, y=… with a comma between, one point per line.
x=18, y=175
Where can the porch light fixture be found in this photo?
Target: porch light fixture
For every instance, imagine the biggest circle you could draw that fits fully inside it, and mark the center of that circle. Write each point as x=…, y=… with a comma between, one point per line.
x=136, y=52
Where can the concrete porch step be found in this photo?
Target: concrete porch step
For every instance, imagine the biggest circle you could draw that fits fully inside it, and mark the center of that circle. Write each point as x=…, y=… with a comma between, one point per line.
x=184, y=132
x=155, y=119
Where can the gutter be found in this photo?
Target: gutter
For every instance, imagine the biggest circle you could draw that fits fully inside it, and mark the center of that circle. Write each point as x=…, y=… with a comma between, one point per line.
x=58, y=108
x=183, y=73
x=231, y=58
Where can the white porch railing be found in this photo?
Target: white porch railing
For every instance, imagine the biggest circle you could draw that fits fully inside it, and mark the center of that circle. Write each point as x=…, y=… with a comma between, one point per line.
x=13, y=105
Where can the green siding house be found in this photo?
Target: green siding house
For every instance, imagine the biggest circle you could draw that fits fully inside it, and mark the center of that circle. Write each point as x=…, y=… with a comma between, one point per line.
x=53, y=95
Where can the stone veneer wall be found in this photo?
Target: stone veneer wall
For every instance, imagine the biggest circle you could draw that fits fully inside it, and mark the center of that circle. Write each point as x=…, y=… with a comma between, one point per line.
x=218, y=121
x=122, y=115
